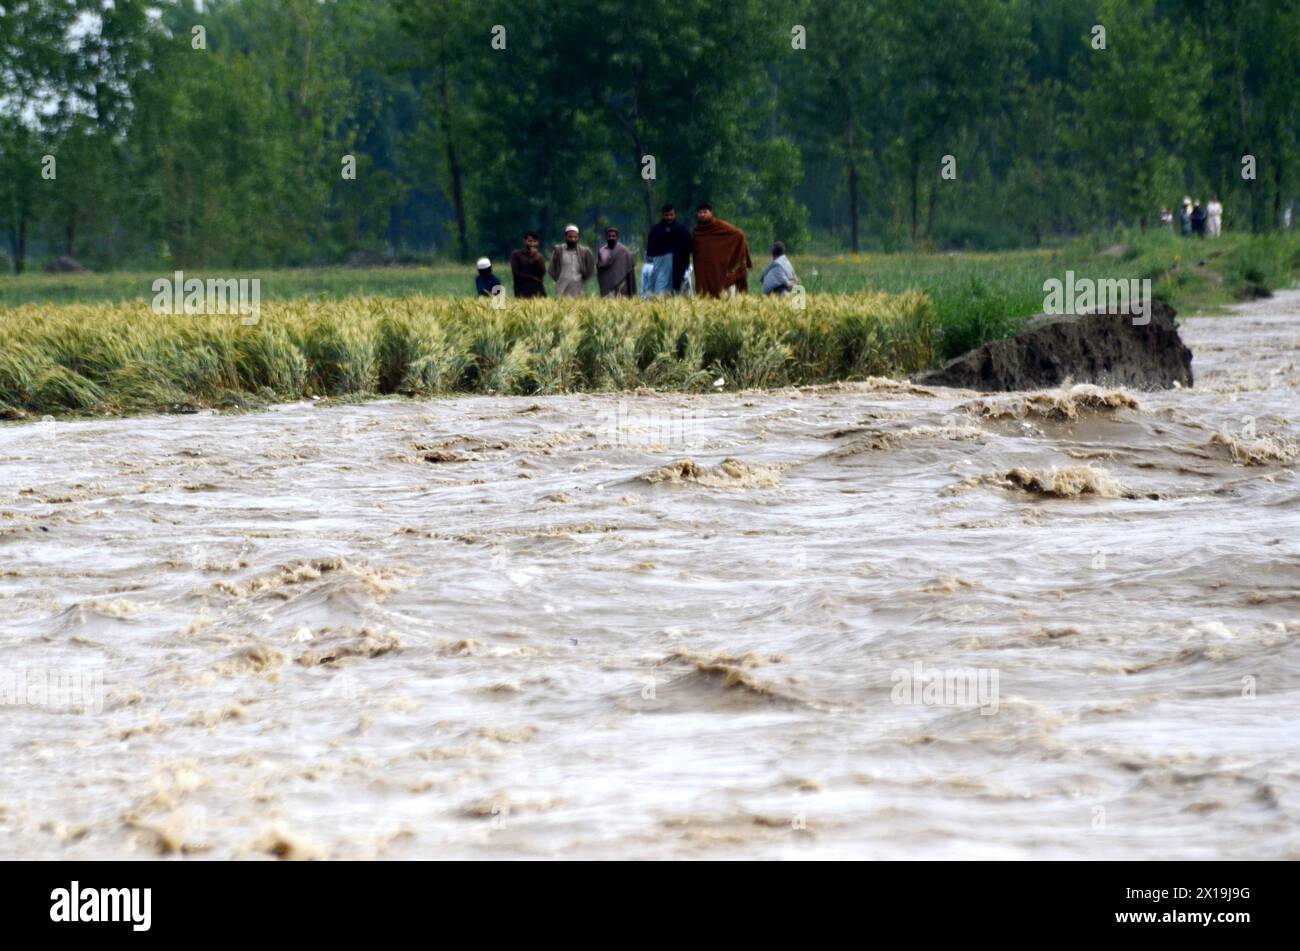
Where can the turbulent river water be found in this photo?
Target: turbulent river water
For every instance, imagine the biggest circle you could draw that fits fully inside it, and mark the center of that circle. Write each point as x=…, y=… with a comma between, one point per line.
x=867, y=620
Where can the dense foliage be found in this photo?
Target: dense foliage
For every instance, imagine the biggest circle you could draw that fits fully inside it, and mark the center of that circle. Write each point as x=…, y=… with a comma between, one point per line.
x=225, y=145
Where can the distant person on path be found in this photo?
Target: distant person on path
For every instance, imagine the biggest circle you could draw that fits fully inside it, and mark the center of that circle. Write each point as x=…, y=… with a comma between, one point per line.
x=721, y=255
x=528, y=268
x=1167, y=218
x=1185, y=217
x=1214, y=217
x=486, y=280
x=615, y=269
x=572, y=265
x=779, y=278
x=668, y=252
x=1198, y=220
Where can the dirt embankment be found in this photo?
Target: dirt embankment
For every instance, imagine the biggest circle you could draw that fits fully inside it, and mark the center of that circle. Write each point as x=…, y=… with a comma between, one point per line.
x=1108, y=349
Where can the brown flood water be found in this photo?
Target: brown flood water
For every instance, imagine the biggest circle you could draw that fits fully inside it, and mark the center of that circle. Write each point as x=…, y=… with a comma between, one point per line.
x=667, y=626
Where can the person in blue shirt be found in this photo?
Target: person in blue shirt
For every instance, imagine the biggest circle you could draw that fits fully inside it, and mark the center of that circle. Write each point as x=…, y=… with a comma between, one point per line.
x=486, y=280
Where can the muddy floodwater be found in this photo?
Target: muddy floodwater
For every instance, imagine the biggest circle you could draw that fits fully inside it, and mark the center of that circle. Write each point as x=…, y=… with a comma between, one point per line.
x=870, y=620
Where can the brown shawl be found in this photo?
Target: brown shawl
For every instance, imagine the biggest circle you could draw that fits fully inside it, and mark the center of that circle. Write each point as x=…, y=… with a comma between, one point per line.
x=616, y=271
x=721, y=255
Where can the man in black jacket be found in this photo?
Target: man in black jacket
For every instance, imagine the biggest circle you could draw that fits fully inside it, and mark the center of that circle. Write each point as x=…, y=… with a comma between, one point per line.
x=668, y=252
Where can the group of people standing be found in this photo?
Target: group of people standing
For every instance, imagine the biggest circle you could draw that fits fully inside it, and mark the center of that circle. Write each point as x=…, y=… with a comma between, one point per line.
x=715, y=255
x=1193, y=219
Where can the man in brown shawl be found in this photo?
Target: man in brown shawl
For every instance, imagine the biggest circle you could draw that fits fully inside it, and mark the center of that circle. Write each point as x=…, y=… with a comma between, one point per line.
x=721, y=255
x=615, y=268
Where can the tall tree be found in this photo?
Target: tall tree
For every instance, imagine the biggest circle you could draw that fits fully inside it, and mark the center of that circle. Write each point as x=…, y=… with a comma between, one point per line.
x=1138, y=105
x=35, y=67
x=837, y=90
x=947, y=65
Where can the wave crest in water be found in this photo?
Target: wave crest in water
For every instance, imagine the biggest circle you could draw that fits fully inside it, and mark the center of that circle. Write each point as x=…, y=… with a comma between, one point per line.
x=1260, y=451
x=1053, y=405
x=1068, y=482
x=335, y=645
x=727, y=474
x=377, y=583
x=730, y=673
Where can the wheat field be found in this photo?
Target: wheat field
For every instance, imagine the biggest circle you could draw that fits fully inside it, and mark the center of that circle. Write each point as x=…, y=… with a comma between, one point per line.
x=122, y=358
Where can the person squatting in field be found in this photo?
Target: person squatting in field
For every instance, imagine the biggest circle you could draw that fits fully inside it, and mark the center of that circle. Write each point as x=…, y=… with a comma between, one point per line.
x=486, y=280
x=779, y=278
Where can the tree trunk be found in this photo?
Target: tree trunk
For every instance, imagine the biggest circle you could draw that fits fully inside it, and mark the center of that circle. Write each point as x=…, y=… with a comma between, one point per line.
x=853, y=192
x=916, y=172
x=453, y=167
x=18, y=243
x=458, y=199
x=929, y=218
x=648, y=187
x=1277, y=196
x=1245, y=129
x=629, y=124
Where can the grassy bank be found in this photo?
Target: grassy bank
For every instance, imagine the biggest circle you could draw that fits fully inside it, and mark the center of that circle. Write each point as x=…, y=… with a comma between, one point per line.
x=983, y=297
x=121, y=358
x=976, y=297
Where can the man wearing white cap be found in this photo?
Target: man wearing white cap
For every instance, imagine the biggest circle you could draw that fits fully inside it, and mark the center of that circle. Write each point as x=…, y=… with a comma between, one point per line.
x=572, y=265
x=486, y=280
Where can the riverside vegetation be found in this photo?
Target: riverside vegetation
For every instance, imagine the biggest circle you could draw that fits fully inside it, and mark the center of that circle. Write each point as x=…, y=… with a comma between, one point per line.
x=121, y=358
x=89, y=343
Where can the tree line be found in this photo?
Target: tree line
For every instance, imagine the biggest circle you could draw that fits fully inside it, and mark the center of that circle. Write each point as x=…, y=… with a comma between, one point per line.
x=251, y=133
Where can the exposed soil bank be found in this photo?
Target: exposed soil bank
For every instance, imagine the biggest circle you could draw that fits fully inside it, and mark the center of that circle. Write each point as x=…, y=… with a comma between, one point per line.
x=1108, y=349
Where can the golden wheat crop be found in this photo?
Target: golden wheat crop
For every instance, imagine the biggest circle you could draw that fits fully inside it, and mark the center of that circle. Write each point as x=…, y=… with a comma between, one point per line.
x=123, y=358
